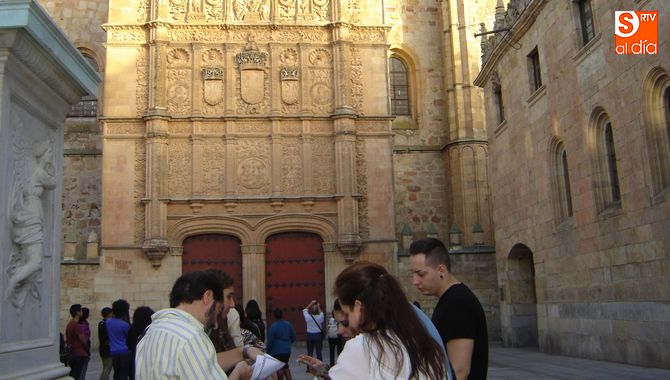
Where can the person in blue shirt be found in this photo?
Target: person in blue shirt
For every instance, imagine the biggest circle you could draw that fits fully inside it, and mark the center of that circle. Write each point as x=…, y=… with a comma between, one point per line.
x=117, y=330
x=280, y=337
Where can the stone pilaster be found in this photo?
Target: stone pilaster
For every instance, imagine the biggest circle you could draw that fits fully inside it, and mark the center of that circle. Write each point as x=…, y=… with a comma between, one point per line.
x=253, y=264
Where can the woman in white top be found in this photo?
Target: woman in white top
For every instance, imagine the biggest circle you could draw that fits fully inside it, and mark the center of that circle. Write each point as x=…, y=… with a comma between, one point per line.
x=392, y=343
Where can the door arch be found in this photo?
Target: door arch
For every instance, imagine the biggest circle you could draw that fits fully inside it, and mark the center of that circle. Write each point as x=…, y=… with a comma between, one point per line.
x=294, y=275
x=520, y=323
x=216, y=251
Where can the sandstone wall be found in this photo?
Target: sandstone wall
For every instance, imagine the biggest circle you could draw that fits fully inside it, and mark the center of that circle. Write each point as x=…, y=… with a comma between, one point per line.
x=600, y=275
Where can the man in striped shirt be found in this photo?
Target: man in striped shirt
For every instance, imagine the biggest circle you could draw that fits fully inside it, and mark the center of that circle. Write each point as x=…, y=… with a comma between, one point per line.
x=175, y=345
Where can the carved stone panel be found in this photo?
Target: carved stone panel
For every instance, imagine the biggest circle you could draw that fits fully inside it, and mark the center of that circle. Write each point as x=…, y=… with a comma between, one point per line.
x=356, y=72
x=179, y=82
x=214, y=167
x=362, y=183
x=179, y=167
x=253, y=166
x=321, y=81
x=323, y=152
x=251, y=10
x=142, y=85
x=253, y=82
x=139, y=190
x=292, y=169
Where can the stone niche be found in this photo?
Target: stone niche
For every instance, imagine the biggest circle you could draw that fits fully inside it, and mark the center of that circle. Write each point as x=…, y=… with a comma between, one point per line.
x=41, y=76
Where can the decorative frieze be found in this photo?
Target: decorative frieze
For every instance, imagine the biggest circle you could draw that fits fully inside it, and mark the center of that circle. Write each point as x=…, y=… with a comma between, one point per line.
x=292, y=173
x=179, y=167
x=323, y=151
x=214, y=167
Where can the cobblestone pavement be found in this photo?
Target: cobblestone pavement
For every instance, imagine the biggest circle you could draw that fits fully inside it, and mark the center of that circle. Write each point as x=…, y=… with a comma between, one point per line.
x=505, y=364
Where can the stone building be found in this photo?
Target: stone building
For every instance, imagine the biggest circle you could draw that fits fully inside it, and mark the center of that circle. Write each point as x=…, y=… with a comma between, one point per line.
x=578, y=139
x=278, y=140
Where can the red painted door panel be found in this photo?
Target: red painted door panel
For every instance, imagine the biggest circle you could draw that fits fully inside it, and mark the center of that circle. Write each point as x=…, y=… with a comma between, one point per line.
x=215, y=251
x=294, y=275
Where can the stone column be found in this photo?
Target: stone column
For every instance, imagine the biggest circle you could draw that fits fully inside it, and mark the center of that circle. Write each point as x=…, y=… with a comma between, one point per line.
x=348, y=240
x=41, y=76
x=253, y=273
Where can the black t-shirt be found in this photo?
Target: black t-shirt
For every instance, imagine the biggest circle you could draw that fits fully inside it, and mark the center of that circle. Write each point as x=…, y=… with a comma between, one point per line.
x=459, y=315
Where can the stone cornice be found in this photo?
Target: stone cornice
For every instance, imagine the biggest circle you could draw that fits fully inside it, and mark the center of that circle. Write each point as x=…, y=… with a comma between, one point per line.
x=39, y=35
x=495, y=48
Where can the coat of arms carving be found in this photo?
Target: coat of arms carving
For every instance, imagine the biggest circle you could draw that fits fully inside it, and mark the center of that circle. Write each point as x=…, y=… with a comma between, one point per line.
x=251, y=63
x=212, y=78
x=290, y=88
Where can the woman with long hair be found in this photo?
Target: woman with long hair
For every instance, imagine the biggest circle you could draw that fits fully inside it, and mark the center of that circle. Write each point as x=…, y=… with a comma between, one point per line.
x=256, y=316
x=392, y=343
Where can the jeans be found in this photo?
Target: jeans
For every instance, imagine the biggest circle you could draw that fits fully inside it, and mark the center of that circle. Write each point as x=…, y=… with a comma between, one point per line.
x=121, y=364
x=332, y=344
x=78, y=365
x=314, y=340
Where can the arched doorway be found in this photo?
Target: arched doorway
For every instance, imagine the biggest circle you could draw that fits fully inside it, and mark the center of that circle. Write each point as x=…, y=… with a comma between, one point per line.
x=520, y=323
x=215, y=251
x=294, y=275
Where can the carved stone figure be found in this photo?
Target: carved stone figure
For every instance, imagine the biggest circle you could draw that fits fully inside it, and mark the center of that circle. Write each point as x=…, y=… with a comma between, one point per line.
x=251, y=10
x=33, y=176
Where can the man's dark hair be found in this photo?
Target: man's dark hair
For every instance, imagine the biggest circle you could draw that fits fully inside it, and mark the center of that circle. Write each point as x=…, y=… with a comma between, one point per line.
x=121, y=309
x=278, y=313
x=74, y=309
x=225, y=280
x=106, y=311
x=192, y=286
x=435, y=251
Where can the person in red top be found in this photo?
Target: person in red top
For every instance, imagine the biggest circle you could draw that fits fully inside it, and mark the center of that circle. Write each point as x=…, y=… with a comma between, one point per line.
x=77, y=343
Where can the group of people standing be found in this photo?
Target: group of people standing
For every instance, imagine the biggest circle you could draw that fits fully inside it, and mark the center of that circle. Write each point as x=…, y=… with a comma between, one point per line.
x=204, y=335
x=117, y=336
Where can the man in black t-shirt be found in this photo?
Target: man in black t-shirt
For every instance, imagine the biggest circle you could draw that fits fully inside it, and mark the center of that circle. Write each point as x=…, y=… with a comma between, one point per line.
x=458, y=316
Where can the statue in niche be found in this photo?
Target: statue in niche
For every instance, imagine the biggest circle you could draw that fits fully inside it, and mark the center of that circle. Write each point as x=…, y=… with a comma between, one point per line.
x=33, y=176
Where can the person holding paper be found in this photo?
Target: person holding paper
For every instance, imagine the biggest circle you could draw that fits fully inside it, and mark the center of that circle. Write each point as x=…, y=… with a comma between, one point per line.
x=392, y=342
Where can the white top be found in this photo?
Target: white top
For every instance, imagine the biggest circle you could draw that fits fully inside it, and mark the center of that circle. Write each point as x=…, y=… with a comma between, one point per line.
x=175, y=346
x=312, y=326
x=233, y=319
x=358, y=362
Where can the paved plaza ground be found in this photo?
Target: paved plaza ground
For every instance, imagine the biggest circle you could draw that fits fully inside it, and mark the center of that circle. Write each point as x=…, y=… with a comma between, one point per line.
x=504, y=364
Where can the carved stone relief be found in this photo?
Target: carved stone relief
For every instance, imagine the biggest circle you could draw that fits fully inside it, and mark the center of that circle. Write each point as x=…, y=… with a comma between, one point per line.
x=179, y=127
x=142, y=10
x=248, y=127
x=286, y=9
x=362, y=182
x=353, y=11
x=252, y=79
x=321, y=84
x=322, y=127
x=33, y=177
x=125, y=129
x=142, y=85
x=251, y=10
x=323, y=152
x=214, y=167
x=179, y=82
x=291, y=128
x=356, y=71
x=179, y=167
x=196, y=10
x=139, y=190
x=292, y=172
x=253, y=169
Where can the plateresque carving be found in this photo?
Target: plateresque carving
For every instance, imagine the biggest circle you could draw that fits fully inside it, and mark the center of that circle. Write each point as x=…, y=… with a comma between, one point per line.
x=33, y=177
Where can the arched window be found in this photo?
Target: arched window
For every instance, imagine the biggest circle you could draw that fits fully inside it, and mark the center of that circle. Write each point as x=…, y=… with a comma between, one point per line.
x=400, y=99
x=610, y=156
x=561, y=181
x=657, y=129
x=606, y=178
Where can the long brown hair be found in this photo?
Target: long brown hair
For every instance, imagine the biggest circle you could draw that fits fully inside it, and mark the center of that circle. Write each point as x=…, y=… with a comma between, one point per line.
x=387, y=310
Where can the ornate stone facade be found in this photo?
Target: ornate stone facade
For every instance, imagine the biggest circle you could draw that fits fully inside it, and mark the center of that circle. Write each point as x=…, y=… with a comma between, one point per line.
x=253, y=117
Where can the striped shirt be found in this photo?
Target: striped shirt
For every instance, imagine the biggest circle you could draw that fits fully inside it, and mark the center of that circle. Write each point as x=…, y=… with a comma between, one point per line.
x=175, y=346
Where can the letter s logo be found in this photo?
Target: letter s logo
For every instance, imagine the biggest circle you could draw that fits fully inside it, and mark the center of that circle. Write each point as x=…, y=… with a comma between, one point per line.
x=626, y=23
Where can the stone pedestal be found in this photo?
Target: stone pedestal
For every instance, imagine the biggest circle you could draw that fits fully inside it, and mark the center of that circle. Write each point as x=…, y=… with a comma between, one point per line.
x=41, y=75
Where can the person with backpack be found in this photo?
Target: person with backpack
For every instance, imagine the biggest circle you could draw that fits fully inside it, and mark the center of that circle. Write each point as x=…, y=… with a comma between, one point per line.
x=314, y=320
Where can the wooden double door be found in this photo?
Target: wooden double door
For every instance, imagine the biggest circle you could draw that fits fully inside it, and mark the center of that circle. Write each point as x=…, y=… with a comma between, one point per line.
x=294, y=270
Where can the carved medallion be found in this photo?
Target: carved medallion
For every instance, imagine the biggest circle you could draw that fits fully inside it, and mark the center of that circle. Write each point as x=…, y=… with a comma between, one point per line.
x=252, y=173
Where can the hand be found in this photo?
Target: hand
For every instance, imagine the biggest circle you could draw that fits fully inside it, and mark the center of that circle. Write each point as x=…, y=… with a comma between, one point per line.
x=254, y=352
x=315, y=366
x=242, y=371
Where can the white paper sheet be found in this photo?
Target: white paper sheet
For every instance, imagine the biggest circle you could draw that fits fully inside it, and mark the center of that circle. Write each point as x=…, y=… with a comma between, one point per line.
x=265, y=366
